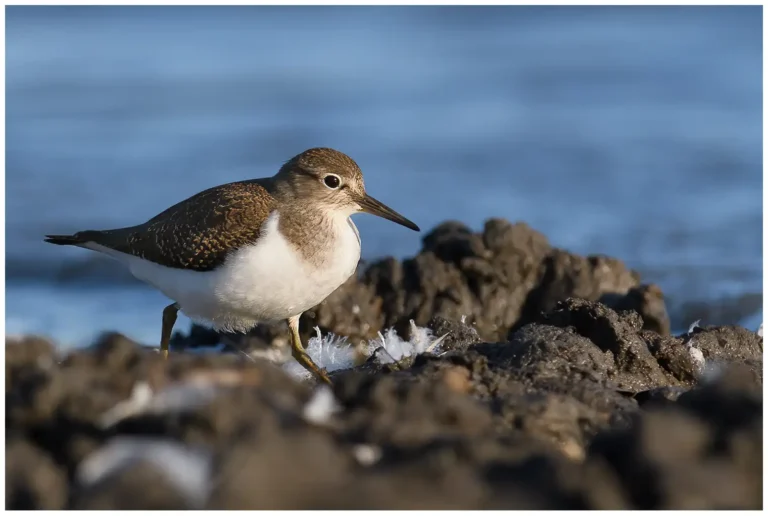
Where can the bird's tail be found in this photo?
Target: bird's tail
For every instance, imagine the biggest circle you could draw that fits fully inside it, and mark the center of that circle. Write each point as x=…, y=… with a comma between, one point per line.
x=79, y=238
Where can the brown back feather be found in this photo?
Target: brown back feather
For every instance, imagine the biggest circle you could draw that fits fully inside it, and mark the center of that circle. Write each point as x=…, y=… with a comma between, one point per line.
x=197, y=233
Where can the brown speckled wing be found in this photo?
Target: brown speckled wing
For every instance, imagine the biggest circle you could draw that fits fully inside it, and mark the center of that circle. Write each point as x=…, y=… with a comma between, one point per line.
x=198, y=233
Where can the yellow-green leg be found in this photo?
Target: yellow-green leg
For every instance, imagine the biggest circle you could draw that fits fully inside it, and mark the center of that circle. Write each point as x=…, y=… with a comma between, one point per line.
x=300, y=354
x=169, y=319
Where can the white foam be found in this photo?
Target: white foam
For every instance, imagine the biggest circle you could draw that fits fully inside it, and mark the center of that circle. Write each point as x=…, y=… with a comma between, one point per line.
x=367, y=454
x=695, y=353
x=321, y=406
x=332, y=352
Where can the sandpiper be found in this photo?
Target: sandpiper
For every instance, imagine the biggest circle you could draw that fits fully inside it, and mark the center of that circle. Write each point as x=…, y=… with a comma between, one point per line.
x=251, y=251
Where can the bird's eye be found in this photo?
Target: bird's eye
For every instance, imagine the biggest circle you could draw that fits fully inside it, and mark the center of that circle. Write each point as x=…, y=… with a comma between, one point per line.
x=332, y=181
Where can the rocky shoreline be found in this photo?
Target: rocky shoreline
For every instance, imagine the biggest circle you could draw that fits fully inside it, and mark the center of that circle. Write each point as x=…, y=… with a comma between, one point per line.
x=496, y=280
x=556, y=385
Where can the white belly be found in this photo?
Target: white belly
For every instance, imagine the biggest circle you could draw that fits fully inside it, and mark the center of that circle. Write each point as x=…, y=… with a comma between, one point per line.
x=265, y=281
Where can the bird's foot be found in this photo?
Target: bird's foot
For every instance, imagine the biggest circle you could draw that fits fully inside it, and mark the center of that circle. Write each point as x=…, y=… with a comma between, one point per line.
x=303, y=358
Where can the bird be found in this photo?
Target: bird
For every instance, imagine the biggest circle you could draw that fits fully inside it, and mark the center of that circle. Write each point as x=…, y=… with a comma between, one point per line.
x=252, y=251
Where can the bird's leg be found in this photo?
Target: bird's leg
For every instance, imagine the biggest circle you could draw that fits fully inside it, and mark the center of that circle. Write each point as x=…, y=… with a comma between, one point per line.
x=169, y=319
x=300, y=354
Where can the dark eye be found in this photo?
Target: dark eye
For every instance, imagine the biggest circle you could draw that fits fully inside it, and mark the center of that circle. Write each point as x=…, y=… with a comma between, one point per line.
x=332, y=181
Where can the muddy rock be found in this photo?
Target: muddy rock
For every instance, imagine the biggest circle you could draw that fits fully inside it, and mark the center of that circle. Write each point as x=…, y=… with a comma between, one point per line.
x=457, y=334
x=261, y=338
x=199, y=337
x=357, y=313
x=496, y=279
x=289, y=466
x=583, y=408
x=647, y=301
x=726, y=343
x=703, y=452
x=27, y=359
x=660, y=395
x=568, y=275
x=531, y=394
x=620, y=337
x=61, y=407
x=32, y=479
x=120, y=491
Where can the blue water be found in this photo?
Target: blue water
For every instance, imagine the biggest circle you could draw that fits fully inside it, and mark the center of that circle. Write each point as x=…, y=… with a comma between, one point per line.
x=634, y=132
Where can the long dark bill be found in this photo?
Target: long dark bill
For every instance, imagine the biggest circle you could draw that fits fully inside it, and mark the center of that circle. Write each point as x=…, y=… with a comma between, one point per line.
x=370, y=205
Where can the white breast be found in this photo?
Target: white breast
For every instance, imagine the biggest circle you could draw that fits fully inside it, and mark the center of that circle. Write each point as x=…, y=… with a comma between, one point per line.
x=268, y=280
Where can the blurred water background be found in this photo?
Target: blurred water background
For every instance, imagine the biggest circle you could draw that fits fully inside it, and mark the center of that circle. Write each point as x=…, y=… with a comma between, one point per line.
x=634, y=132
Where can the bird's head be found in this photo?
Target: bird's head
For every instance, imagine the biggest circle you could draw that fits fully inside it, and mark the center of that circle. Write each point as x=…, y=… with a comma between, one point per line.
x=332, y=180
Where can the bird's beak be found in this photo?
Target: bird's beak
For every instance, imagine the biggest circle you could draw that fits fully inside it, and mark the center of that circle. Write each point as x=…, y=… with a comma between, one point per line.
x=370, y=205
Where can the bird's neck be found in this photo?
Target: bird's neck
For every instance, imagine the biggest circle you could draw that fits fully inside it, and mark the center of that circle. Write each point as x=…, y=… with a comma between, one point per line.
x=311, y=230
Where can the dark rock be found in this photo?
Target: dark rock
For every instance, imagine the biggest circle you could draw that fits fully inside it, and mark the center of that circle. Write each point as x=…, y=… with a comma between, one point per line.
x=27, y=362
x=27, y=352
x=659, y=395
x=500, y=278
x=568, y=275
x=61, y=408
x=726, y=343
x=32, y=479
x=261, y=337
x=353, y=310
x=139, y=487
x=549, y=420
x=647, y=301
x=705, y=452
x=674, y=356
x=617, y=335
x=198, y=337
x=295, y=468
x=731, y=400
x=396, y=410
x=458, y=335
